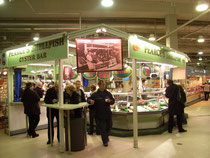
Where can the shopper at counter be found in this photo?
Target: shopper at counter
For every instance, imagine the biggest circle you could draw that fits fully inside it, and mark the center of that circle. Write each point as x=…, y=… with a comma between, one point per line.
x=39, y=89
x=92, y=114
x=51, y=97
x=30, y=101
x=175, y=106
x=81, y=95
x=206, y=90
x=72, y=97
x=102, y=99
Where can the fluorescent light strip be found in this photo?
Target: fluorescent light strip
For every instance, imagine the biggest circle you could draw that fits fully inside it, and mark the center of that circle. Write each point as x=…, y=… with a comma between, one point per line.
x=40, y=65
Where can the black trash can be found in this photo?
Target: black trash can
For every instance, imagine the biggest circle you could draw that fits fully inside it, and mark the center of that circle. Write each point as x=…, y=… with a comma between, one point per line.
x=77, y=134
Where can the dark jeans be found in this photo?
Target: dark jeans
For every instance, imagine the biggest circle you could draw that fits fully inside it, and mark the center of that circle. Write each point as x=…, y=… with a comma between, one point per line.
x=92, y=117
x=206, y=94
x=171, y=122
x=53, y=114
x=33, y=122
x=105, y=126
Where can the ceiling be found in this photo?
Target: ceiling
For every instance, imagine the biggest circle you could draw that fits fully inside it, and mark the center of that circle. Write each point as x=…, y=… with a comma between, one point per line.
x=19, y=19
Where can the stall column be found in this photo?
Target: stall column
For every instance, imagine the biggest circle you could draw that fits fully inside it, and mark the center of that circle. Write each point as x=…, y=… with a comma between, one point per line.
x=10, y=93
x=135, y=114
x=61, y=120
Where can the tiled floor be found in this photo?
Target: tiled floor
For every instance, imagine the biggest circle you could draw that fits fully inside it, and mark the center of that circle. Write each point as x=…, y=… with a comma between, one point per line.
x=193, y=144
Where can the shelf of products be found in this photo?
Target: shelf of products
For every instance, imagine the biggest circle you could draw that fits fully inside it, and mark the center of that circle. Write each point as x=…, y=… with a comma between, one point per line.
x=3, y=103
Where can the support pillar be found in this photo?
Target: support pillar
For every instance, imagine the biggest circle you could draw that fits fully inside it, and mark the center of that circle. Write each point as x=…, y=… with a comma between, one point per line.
x=171, y=24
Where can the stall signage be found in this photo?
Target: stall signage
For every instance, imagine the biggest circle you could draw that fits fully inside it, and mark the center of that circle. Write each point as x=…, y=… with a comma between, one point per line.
x=142, y=50
x=74, y=75
x=89, y=75
x=67, y=72
x=45, y=51
x=124, y=73
x=104, y=75
x=146, y=71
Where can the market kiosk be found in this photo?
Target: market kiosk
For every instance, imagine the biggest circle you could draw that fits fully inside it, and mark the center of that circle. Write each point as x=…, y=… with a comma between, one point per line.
x=144, y=51
x=134, y=48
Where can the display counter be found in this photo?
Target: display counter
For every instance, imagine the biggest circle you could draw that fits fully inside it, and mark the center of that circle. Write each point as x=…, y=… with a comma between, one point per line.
x=17, y=123
x=152, y=114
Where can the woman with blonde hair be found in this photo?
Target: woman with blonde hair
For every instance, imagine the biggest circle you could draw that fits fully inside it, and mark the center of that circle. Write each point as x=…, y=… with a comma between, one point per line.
x=72, y=97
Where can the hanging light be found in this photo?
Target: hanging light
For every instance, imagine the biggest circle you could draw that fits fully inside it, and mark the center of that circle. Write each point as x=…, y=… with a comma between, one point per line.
x=200, y=39
x=200, y=59
x=202, y=6
x=152, y=37
x=36, y=37
x=198, y=63
x=200, y=53
x=107, y=3
x=1, y=2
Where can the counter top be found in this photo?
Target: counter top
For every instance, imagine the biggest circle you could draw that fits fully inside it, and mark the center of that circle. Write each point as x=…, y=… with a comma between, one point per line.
x=67, y=106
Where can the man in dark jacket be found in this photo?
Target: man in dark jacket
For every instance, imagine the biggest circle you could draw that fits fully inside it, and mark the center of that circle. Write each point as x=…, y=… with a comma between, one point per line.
x=102, y=99
x=39, y=89
x=175, y=106
x=30, y=101
x=92, y=114
x=51, y=97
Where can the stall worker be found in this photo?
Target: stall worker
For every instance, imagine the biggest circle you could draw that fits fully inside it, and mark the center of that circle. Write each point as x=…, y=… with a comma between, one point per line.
x=102, y=99
x=51, y=97
x=30, y=101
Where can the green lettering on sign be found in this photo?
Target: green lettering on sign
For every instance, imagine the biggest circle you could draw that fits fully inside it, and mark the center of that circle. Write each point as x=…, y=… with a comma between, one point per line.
x=142, y=50
x=45, y=51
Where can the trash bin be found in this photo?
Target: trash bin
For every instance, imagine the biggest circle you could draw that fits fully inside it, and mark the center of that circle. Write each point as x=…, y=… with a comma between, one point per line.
x=77, y=129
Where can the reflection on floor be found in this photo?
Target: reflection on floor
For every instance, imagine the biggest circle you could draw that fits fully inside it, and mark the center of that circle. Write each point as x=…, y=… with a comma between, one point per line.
x=193, y=144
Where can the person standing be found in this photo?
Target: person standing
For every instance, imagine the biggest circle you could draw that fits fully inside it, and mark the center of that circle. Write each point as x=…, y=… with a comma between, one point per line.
x=30, y=101
x=206, y=91
x=102, y=99
x=175, y=106
x=92, y=114
x=81, y=96
x=39, y=89
x=51, y=97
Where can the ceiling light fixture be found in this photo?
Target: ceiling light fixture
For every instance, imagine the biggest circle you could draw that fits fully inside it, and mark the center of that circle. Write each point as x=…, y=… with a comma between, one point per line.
x=101, y=30
x=1, y=2
x=107, y=3
x=202, y=6
x=36, y=37
x=152, y=37
x=200, y=39
x=200, y=59
x=200, y=53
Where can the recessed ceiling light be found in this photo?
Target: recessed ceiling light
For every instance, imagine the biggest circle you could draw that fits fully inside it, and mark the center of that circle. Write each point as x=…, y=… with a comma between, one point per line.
x=36, y=37
x=200, y=53
x=107, y=3
x=200, y=39
x=202, y=6
x=1, y=2
x=152, y=37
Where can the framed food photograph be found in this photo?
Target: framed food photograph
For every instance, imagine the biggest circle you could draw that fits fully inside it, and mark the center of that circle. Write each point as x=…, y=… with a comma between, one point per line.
x=97, y=54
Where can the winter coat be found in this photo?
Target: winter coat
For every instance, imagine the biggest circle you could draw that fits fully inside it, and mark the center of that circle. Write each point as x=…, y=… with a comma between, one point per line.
x=50, y=95
x=30, y=101
x=103, y=110
x=175, y=95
